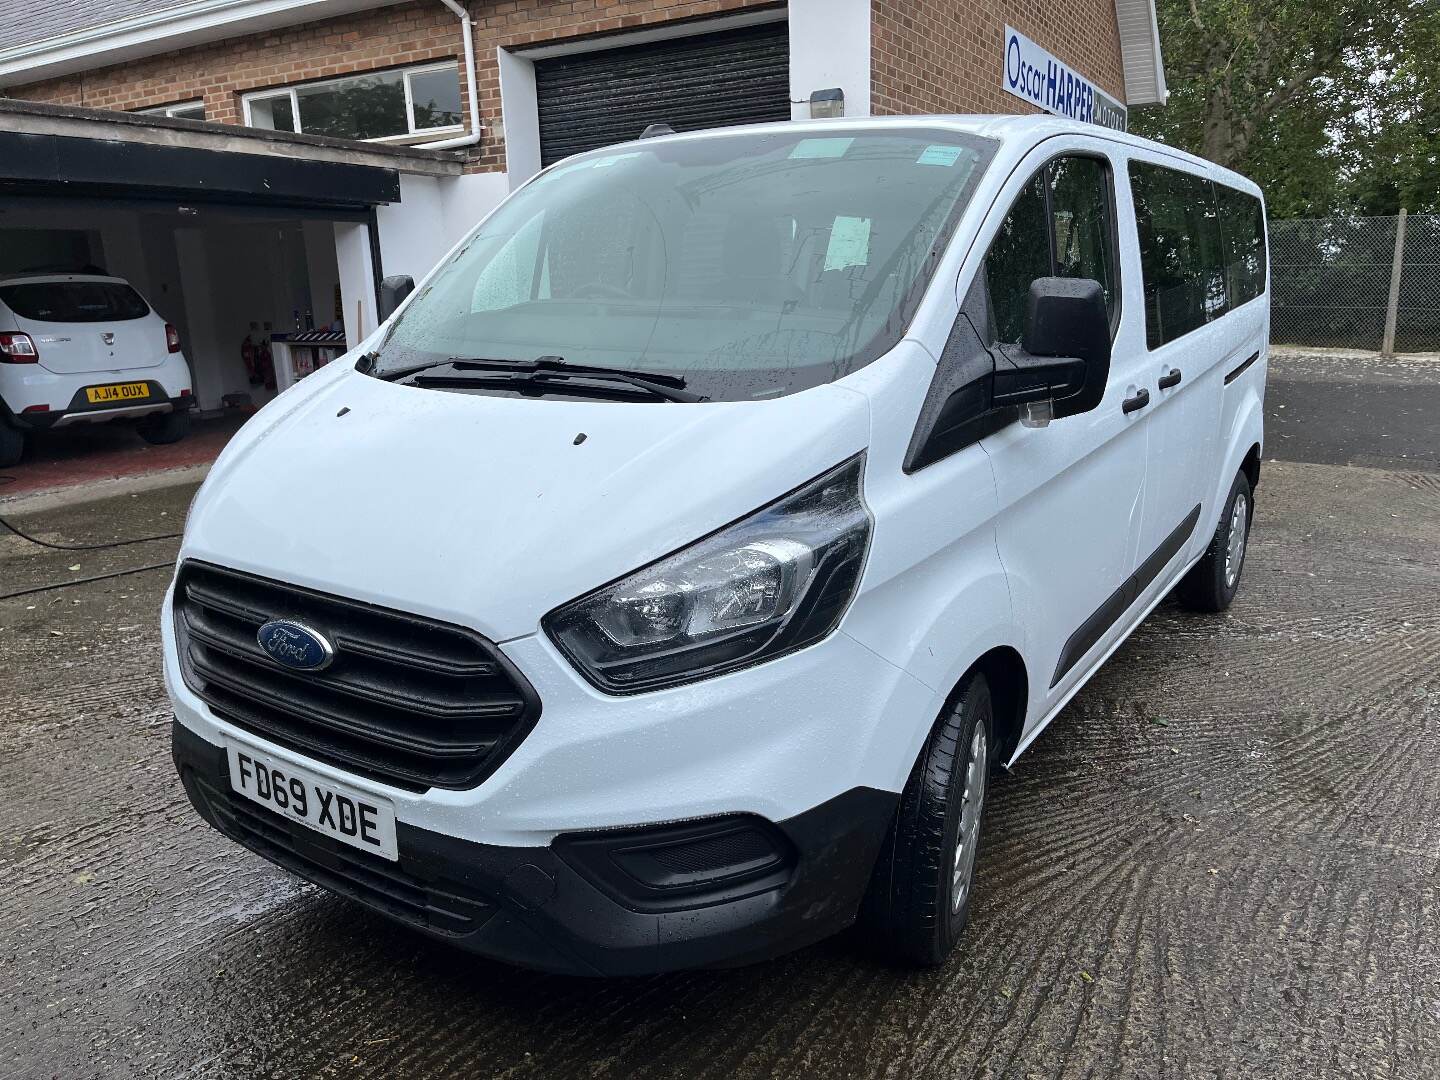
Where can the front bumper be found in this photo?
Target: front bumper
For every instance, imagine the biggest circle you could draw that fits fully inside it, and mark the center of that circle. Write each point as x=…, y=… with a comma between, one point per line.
x=564, y=907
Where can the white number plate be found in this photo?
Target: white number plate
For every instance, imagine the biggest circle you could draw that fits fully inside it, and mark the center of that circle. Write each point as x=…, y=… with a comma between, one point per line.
x=350, y=816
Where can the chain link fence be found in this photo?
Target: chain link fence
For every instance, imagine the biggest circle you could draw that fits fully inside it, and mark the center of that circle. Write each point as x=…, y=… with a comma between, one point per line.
x=1331, y=282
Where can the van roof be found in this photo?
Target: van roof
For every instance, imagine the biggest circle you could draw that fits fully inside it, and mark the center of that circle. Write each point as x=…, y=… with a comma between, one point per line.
x=1003, y=127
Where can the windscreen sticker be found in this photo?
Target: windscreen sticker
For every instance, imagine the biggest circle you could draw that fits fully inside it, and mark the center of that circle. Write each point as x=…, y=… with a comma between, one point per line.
x=821, y=148
x=939, y=154
x=849, y=243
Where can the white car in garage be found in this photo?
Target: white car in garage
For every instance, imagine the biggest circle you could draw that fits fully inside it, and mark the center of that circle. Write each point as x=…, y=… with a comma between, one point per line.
x=87, y=348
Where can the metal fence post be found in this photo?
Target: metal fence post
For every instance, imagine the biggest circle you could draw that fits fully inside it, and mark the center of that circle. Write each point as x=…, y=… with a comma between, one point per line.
x=1392, y=307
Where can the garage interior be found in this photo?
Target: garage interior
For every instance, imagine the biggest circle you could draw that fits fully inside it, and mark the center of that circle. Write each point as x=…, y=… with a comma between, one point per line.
x=237, y=238
x=222, y=276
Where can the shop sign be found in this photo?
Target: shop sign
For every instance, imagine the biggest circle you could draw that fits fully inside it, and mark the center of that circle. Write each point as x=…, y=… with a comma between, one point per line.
x=1044, y=80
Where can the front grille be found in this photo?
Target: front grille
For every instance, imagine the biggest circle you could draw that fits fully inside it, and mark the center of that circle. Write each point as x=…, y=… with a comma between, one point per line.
x=407, y=700
x=356, y=874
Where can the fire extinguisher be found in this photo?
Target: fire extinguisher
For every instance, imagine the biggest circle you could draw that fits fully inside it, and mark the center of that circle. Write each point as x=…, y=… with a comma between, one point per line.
x=266, y=363
x=251, y=357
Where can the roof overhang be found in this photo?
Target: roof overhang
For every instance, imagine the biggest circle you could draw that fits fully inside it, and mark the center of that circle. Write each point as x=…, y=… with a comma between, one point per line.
x=1144, y=65
x=56, y=151
x=187, y=23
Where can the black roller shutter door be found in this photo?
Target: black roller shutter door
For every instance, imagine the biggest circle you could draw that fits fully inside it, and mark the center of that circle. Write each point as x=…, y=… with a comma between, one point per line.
x=710, y=80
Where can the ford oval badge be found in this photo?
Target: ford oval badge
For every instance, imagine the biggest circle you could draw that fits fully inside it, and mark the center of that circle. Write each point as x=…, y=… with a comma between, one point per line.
x=295, y=645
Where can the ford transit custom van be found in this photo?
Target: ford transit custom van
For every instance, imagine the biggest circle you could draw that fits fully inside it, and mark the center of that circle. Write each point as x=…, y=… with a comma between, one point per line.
x=661, y=584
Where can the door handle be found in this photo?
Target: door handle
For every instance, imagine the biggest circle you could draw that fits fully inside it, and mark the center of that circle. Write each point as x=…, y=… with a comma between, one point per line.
x=1170, y=378
x=1139, y=401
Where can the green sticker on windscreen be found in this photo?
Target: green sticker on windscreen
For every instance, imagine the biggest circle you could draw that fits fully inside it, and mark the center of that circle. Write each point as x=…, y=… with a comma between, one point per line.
x=821, y=148
x=939, y=154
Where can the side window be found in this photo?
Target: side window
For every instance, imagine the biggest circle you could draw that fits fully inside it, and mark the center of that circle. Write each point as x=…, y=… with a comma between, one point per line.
x=1242, y=232
x=1060, y=225
x=1080, y=212
x=1018, y=255
x=1181, y=256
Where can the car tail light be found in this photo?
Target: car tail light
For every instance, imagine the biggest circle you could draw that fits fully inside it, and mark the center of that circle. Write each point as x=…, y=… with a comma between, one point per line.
x=172, y=338
x=35, y=408
x=17, y=349
x=185, y=392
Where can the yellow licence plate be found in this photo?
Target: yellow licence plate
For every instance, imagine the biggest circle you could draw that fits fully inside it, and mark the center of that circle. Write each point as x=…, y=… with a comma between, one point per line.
x=125, y=391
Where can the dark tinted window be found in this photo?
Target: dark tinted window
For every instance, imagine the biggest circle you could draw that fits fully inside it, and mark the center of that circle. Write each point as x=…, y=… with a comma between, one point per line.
x=1181, y=257
x=1018, y=255
x=1060, y=225
x=1080, y=211
x=74, y=301
x=1242, y=231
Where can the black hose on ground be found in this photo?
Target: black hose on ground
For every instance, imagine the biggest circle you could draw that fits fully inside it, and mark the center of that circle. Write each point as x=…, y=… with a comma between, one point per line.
x=82, y=547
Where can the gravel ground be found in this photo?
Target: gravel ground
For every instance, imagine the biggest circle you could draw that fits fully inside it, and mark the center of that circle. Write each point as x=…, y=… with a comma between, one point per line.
x=1219, y=861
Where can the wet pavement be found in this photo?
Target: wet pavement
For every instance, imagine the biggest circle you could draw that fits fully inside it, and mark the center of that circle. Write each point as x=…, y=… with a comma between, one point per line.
x=1220, y=861
x=87, y=454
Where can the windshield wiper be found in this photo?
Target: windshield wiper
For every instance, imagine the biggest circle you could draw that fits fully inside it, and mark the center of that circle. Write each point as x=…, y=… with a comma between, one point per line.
x=555, y=369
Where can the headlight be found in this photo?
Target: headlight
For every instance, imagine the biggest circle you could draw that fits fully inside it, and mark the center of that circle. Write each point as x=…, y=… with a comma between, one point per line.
x=771, y=583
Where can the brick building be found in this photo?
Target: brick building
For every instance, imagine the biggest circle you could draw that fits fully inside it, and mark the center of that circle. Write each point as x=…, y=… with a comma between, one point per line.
x=459, y=104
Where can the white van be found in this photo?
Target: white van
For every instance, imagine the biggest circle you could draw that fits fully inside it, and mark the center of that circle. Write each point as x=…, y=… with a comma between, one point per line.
x=86, y=348
x=661, y=584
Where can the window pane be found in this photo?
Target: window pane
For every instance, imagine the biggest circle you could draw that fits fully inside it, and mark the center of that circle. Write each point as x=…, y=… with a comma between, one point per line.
x=188, y=112
x=74, y=301
x=369, y=107
x=273, y=113
x=1180, y=251
x=1018, y=255
x=436, y=97
x=1080, y=201
x=1242, y=227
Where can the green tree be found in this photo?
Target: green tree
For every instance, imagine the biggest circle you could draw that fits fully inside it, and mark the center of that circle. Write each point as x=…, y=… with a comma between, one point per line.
x=1328, y=104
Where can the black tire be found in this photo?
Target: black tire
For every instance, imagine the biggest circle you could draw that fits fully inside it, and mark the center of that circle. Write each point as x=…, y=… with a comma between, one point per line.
x=165, y=427
x=917, y=905
x=1209, y=586
x=12, y=445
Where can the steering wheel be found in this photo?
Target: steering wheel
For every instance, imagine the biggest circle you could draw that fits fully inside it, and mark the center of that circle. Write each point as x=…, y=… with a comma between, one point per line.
x=599, y=290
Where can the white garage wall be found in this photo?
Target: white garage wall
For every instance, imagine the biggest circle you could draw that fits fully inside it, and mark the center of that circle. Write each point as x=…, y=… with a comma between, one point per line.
x=432, y=215
x=829, y=47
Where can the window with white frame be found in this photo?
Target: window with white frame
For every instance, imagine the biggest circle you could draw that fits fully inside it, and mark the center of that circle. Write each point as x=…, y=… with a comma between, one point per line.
x=393, y=104
x=185, y=110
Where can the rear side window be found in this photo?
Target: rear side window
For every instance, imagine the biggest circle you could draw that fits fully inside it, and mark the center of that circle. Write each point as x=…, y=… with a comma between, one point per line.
x=1242, y=232
x=1060, y=225
x=1182, y=259
x=74, y=301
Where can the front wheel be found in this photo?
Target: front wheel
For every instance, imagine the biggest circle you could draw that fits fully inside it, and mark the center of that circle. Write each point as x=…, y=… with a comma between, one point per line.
x=1212, y=583
x=165, y=427
x=920, y=895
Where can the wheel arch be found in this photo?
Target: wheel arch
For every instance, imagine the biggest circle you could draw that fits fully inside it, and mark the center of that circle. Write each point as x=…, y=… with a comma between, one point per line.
x=1251, y=465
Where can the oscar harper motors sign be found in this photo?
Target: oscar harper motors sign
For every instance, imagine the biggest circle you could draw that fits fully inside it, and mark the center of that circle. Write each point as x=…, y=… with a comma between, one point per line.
x=1044, y=80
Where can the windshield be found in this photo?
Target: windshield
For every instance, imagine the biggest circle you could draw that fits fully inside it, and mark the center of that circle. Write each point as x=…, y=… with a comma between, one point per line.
x=750, y=264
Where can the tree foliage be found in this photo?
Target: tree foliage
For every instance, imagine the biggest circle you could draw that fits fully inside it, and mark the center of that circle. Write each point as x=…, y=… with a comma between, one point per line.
x=1330, y=105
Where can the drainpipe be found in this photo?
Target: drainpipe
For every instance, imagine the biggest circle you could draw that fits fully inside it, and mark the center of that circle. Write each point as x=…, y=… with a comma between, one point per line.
x=467, y=30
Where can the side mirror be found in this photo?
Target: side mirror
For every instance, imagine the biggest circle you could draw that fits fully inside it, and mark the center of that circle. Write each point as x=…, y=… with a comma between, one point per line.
x=393, y=291
x=1063, y=361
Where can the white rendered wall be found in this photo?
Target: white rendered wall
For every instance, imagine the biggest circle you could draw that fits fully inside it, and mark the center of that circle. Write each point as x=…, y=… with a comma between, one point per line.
x=432, y=215
x=357, y=279
x=829, y=47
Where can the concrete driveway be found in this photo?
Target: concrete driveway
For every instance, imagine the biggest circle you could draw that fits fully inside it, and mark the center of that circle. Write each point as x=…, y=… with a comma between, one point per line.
x=1220, y=861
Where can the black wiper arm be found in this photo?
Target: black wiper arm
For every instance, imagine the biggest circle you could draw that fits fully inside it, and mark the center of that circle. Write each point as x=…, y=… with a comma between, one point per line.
x=415, y=369
x=671, y=387
x=551, y=381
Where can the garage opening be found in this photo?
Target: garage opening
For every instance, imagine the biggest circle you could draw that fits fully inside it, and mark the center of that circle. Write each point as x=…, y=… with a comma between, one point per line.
x=593, y=99
x=237, y=286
